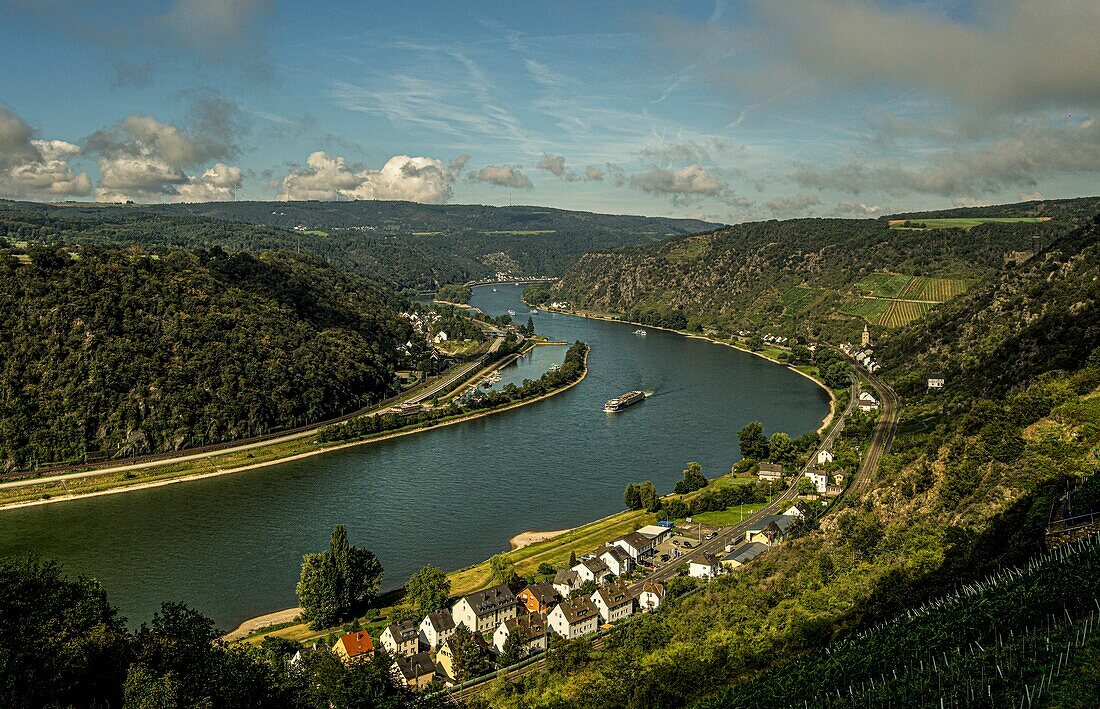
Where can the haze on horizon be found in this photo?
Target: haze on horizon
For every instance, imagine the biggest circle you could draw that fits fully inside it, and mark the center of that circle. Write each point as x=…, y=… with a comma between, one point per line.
x=727, y=111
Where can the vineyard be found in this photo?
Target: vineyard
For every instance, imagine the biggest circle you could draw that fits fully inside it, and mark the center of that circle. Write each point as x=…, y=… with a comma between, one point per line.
x=870, y=309
x=798, y=297
x=898, y=299
x=901, y=312
x=884, y=285
x=1003, y=641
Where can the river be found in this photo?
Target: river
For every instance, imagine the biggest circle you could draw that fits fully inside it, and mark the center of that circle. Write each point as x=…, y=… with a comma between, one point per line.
x=231, y=546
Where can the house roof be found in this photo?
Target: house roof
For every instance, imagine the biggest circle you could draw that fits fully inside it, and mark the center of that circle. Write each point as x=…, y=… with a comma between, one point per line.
x=491, y=599
x=597, y=566
x=706, y=560
x=653, y=530
x=637, y=541
x=415, y=666
x=656, y=589
x=357, y=643
x=746, y=552
x=817, y=471
x=617, y=553
x=579, y=609
x=402, y=632
x=530, y=625
x=934, y=375
x=441, y=621
x=771, y=468
x=566, y=576
x=545, y=593
x=614, y=595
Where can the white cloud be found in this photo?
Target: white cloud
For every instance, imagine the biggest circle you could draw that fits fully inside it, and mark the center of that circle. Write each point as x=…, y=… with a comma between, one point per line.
x=503, y=176
x=691, y=179
x=554, y=164
x=218, y=184
x=36, y=168
x=415, y=179
x=593, y=174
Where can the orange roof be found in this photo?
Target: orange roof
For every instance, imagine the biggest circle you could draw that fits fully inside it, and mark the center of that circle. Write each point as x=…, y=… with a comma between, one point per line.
x=357, y=643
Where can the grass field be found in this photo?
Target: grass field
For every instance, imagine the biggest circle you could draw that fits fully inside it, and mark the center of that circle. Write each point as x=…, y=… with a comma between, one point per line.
x=733, y=515
x=686, y=250
x=961, y=222
x=315, y=232
x=870, y=309
x=885, y=285
x=798, y=297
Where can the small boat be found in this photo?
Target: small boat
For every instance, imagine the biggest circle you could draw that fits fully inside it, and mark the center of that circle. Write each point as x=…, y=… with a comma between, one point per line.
x=640, y=331
x=494, y=290
x=512, y=312
x=534, y=311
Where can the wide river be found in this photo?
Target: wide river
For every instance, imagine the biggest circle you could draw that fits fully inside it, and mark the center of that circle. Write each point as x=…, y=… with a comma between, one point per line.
x=231, y=546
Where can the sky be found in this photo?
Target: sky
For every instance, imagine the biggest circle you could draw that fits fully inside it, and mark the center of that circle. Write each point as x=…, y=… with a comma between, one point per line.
x=728, y=111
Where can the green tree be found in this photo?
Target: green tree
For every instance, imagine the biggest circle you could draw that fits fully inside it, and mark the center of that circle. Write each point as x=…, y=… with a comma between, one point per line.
x=632, y=498
x=502, y=568
x=781, y=450
x=429, y=588
x=693, y=479
x=753, y=442
x=335, y=583
x=650, y=500
x=805, y=486
x=469, y=661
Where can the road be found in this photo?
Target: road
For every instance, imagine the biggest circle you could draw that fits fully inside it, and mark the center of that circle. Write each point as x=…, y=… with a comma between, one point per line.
x=727, y=535
x=447, y=381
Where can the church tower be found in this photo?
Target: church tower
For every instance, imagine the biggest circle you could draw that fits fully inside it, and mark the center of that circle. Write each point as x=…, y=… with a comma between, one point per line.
x=866, y=338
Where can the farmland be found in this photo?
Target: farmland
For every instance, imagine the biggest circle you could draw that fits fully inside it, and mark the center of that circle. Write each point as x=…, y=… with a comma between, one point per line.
x=960, y=222
x=892, y=300
x=884, y=285
x=901, y=312
x=798, y=297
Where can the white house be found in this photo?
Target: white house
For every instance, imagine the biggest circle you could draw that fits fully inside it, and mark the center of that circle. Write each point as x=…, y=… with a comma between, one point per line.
x=400, y=639
x=529, y=629
x=656, y=532
x=440, y=337
x=650, y=597
x=436, y=627
x=566, y=581
x=614, y=602
x=770, y=472
x=824, y=456
x=593, y=570
x=574, y=618
x=867, y=401
x=415, y=671
x=706, y=567
x=819, y=478
x=799, y=509
x=935, y=381
x=617, y=560
x=636, y=545
x=483, y=611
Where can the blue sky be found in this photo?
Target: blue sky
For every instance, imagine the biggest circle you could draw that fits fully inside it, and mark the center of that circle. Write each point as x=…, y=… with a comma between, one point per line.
x=728, y=111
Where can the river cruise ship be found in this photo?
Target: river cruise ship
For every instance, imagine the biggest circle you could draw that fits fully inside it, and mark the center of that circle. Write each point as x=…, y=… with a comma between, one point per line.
x=621, y=402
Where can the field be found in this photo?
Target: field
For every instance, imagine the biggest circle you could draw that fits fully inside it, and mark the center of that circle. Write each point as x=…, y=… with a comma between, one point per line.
x=687, y=250
x=901, y=312
x=960, y=222
x=733, y=515
x=797, y=297
x=884, y=285
x=870, y=309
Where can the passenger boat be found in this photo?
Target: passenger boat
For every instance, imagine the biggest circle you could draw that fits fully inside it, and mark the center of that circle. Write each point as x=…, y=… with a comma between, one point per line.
x=621, y=402
x=640, y=331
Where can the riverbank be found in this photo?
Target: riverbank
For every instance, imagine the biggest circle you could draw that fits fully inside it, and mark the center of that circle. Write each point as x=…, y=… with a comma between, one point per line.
x=825, y=422
x=531, y=536
x=218, y=465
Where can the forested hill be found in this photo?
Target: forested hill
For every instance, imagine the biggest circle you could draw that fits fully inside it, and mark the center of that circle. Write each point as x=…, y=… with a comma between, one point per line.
x=110, y=352
x=1076, y=209
x=802, y=277
x=404, y=244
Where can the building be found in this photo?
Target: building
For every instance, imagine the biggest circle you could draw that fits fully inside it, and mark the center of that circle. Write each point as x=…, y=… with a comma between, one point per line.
x=440, y=337
x=743, y=555
x=483, y=611
x=436, y=627
x=593, y=570
x=799, y=509
x=566, y=581
x=656, y=532
x=867, y=401
x=650, y=597
x=574, y=618
x=824, y=457
x=415, y=671
x=354, y=646
x=865, y=337
x=706, y=567
x=819, y=478
x=636, y=545
x=771, y=529
x=935, y=381
x=617, y=560
x=538, y=598
x=529, y=630
x=770, y=472
x=614, y=602
x=400, y=639
x=445, y=658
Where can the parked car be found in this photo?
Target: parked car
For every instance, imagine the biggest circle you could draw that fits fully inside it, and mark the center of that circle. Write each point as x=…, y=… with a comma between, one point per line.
x=712, y=535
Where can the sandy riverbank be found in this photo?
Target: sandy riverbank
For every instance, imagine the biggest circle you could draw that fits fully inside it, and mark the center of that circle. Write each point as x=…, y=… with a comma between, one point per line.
x=532, y=536
x=298, y=456
x=251, y=625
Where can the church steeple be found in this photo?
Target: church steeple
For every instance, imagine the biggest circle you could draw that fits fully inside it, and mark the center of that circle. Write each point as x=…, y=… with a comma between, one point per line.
x=866, y=339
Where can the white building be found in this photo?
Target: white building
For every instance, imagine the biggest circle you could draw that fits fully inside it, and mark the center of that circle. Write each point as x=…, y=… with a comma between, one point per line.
x=651, y=596
x=636, y=545
x=617, y=560
x=819, y=478
x=707, y=567
x=436, y=627
x=400, y=639
x=770, y=472
x=530, y=630
x=867, y=401
x=483, y=611
x=935, y=381
x=824, y=456
x=614, y=602
x=593, y=570
x=575, y=618
x=656, y=532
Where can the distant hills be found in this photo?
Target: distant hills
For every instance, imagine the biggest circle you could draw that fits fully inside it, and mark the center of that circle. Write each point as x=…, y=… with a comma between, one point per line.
x=811, y=277
x=403, y=244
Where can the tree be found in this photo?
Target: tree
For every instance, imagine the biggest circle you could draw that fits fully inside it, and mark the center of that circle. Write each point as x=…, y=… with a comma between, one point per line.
x=632, y=498
x=693, y=479
x=781, y=450
x=546, y=569
x=529, y=328
x=805, y=486
x=335, y=583
x=502, y=568
x=650, y=500
x=468, y=660
x=429, y=588
x=674, y=509
x=753, y=442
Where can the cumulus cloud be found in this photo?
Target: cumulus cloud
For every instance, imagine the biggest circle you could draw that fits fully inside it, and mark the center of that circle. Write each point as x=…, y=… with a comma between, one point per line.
x=456, y=166
x=1033, y=152
x=554, y=164
x=593, y=174
x=36, y=168
x=689, y=180
x=855, y=209
x=503, y=176
x=796, y=206
x=414, y=179
x=218, y=184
